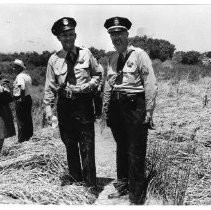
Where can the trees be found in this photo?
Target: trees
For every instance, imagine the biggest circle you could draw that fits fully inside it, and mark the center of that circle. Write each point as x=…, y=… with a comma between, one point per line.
x=208, y=54
x=97, y=53
x=156, y=48
x=190, y=57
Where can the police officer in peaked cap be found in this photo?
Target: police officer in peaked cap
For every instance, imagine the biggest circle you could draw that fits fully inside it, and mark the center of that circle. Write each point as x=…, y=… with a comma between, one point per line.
x=129, y=101
x=73, y=75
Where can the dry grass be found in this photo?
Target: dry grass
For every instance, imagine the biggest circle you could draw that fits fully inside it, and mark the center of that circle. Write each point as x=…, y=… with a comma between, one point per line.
x=31, y=173
x=178, y=159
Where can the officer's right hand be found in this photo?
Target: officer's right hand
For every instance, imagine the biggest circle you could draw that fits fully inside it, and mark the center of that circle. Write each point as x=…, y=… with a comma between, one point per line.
x=49, y=114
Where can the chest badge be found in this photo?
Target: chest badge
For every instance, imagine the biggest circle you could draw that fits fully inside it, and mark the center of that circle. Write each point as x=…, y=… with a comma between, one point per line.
x=130, y=64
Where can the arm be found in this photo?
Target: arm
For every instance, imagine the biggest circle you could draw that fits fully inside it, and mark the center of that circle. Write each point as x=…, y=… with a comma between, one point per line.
x=50, y=86
x=50, y=90
x=150, y=84
x=96, y=73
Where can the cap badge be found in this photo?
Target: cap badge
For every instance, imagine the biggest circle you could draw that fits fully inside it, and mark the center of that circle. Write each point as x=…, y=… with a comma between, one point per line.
x=65, y=22
x=116, y=22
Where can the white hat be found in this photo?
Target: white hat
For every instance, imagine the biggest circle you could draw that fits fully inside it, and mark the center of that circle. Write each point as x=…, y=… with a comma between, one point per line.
x=19, y=63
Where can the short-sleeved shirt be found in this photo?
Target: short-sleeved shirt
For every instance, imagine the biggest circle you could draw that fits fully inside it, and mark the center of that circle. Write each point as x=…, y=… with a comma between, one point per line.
x=23, y=81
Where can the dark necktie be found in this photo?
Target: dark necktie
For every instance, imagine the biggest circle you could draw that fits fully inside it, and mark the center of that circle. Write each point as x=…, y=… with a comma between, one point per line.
x=71, y=59
x=120, y=66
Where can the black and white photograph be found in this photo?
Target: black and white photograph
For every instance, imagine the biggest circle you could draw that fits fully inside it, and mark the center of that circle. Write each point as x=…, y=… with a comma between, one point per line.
x=105, y=104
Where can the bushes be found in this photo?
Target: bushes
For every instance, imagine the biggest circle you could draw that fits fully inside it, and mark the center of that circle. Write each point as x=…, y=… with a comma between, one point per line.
x=29, y=58
x=190, y=57
x=156, y=48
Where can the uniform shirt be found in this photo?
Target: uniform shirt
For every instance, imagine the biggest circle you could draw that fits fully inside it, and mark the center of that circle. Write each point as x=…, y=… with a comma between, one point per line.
x=138, y=75
x=86, y=70
x=22, y=82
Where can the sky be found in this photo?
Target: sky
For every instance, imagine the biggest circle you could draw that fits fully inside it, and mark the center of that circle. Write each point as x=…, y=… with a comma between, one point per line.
x=27, y=27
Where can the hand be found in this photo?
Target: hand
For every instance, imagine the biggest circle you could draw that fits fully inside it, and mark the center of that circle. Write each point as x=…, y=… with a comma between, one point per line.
x=147, y=118
x=1, y=89
x=49, y=113
x=148, y=121
x=85, y=87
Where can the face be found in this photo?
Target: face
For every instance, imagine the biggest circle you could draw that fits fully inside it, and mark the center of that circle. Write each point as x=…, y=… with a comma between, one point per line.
x=119, y=40
x=67, y=39
x=17, y=68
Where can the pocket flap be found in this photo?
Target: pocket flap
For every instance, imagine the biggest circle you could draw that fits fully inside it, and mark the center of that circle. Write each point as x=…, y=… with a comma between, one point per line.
x=60, y=67
x=82, y=64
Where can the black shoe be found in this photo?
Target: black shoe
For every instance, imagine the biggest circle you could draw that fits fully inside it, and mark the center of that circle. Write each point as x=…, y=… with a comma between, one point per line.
x=120, y=184
x=118, y=194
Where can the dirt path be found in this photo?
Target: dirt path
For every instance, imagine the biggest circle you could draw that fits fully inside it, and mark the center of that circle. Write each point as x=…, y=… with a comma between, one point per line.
x=106, y=167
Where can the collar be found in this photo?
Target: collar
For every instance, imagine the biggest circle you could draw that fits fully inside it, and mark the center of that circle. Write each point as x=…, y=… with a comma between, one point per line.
x=129, y=48
x=74, y=50
x=64, y=52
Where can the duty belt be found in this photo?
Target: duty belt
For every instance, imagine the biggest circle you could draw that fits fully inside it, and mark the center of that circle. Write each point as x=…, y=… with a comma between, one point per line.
x=74, y=95
x=117, y=95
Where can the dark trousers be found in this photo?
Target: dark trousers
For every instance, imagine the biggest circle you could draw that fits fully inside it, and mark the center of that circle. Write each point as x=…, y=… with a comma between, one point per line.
x=76, y=125
x=125, y=120
x=23, y=110
x=98, y=104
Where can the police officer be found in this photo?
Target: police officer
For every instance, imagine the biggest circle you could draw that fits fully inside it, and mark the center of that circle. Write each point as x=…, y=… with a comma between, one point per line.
x=73, y=75
x=129, y=101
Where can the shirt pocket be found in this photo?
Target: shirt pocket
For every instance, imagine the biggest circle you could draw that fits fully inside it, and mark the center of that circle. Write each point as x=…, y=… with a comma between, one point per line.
x=60, y=67
x=82, y=69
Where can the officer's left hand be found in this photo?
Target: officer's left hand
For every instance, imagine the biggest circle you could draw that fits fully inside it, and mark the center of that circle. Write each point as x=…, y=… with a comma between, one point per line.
x=85, y=87
x=148, y=121
x=147, y=118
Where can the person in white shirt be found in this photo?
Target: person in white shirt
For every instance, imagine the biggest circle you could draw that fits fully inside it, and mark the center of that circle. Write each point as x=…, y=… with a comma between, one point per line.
x=23, y=101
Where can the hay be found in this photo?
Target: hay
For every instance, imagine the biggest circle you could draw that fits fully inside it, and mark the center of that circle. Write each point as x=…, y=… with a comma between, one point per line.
x=179, y=148
x=31, y=173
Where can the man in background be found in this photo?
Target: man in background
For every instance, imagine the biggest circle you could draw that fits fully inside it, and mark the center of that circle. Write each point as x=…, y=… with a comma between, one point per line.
x=7, y=128
x=23, y=101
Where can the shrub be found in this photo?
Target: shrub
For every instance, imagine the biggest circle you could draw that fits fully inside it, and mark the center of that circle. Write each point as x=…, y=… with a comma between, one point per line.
x=156, y=48
x=190, y=57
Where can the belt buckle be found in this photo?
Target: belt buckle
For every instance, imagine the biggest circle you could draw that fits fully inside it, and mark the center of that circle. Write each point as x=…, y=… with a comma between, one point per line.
x=68, y=94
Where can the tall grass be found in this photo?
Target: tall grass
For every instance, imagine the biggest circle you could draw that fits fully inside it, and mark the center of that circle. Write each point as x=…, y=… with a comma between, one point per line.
x=190, y=73
x=175, y=163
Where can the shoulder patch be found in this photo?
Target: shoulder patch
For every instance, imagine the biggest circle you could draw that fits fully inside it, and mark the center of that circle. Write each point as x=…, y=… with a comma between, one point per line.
x=145, y=70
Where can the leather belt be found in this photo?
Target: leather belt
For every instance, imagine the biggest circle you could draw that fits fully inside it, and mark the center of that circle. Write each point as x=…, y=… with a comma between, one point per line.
x=72, y=95
x=117, y=95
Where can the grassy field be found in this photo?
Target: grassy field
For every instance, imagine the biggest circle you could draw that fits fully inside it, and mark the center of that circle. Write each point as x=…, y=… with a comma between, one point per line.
x=179, y=148
x=178, y=155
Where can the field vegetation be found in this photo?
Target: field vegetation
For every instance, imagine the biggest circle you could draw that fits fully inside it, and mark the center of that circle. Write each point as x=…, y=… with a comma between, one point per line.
x=178, y=169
